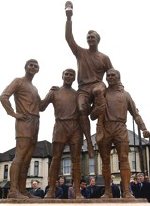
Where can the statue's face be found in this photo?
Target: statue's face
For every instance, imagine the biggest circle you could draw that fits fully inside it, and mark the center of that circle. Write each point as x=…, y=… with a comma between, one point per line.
x=68, y=77
x=32, y=68
x=112, y=77
x=92, y=39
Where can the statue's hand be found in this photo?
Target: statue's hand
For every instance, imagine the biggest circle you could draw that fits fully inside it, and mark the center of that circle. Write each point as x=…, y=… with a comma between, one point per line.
x=146, y=134
x=54, y=88
x=69, y=14
x=21, y=116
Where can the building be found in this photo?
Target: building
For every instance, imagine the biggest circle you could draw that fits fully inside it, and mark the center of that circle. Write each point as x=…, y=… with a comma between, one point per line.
x=138, y=157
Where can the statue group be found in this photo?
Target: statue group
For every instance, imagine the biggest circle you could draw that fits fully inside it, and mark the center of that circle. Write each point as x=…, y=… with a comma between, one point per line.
x=108, y=105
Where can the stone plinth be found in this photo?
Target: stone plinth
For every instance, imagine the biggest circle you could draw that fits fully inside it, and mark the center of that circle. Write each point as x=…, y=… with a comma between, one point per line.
x=55, y=202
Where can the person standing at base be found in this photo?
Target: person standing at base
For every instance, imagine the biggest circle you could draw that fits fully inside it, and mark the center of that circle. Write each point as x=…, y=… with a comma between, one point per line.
x=92, y=66
x=36, y=191
x=62, y=184
x=58, y=191
x=142, y=188
x=27, y=103
x=115, y=189
x=118, y=103
x=94, y=190
x=83, y=188
x=66, y=130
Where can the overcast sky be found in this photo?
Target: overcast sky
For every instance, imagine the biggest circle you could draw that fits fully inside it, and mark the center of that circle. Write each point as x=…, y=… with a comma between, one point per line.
x=36, y=29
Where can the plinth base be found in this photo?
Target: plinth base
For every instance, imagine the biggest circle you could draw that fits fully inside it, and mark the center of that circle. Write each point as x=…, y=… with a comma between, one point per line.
x=55, y=202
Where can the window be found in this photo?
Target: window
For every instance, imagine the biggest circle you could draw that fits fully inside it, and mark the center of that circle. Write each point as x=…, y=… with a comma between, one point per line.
x=36, y=168
x=133, y=160
x=66, y=166
x=91, y=166
x=5, y=171
x=133, y=164
x=28, y=172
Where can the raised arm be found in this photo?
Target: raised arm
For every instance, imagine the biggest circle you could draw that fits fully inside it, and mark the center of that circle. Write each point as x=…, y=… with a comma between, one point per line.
x=68, y=33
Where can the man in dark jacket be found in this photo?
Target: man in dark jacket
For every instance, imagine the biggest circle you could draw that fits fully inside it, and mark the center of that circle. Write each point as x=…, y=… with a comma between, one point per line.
x=83, y=188
x=64, y=187
x=58, y=191
x=142, y=188
x=115, y=190
x=94, y=190
x=36, y=190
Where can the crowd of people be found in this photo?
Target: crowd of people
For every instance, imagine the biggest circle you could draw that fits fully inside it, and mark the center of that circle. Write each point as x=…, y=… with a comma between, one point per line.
x=87, y=191
x=139, y=187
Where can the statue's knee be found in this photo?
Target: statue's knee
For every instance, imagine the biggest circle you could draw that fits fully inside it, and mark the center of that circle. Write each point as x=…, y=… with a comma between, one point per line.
x=106, y=161
x=124, y=158
x=97, y=91
x=105, y=167
x=17, y=161
x=124, y=162
x=75, y=160
x=124, y=165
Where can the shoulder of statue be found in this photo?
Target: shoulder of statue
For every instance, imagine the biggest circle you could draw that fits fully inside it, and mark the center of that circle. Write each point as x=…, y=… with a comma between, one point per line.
x=54, y=88
x=18, y=79
x=17, y=82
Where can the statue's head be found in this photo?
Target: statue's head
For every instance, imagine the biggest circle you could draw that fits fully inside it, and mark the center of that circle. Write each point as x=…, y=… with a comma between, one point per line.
x=93, y=37
x=113, y=76
x=68, y=75
x=32, y=63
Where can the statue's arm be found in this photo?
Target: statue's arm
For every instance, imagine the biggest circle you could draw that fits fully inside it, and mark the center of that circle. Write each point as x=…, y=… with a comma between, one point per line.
x=48, y=98
x=7, y=105
x=135, y=113
x=68, y=33
x=6, y=94
x=108, y=63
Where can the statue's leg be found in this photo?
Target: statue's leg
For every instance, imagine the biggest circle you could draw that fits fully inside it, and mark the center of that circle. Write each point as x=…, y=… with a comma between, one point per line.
x=125, y=173
x=15, y=169
x=76, y=168
x=104, y=149
x=98, y=110
x=57, y=150
x=84, y=109
x=31, y=144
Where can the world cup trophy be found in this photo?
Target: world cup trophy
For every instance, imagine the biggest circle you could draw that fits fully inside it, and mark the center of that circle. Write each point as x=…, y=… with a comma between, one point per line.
x=69, y=9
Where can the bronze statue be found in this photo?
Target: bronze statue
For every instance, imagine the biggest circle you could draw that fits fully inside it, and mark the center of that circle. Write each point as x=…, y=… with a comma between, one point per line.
x=66, y=130
x=27, y=103
x=92, y=66
x=118, y=103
